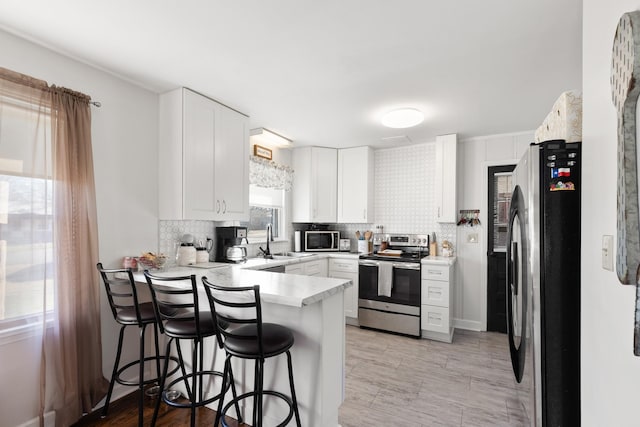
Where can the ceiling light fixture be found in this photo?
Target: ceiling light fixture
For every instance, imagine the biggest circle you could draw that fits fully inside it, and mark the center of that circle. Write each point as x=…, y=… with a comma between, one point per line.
x=402, y=118
x=266, y=137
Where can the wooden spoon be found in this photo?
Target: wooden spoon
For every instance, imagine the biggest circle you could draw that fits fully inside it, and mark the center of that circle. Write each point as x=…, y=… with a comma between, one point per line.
x=358, y=234
x=367, y=235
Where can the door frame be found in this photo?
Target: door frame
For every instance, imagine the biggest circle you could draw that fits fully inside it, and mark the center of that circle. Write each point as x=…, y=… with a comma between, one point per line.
x=484, y=219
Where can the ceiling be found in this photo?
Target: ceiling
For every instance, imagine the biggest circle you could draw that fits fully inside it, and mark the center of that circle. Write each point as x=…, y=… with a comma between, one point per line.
x=323, y=72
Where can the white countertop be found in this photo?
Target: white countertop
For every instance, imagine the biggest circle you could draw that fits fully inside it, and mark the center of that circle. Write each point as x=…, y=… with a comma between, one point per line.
x=438, y=260
x=277, y=288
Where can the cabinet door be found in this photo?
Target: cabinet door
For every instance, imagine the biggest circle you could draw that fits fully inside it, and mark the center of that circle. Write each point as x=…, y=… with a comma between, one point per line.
x=198, y=156
x=231, y=165
x=324, y=167
x=315, y=184
x=350, y=293
x=445, y=174
x=355, y=185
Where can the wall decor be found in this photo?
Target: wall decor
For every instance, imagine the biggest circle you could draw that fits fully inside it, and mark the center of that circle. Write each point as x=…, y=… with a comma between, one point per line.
x=625, y=72
x=260, y=151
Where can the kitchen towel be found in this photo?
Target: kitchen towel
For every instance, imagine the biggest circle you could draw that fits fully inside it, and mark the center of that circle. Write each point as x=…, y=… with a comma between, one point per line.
x=385, y=279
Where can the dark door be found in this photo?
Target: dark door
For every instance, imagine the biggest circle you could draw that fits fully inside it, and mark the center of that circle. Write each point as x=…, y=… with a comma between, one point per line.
x=500, y=185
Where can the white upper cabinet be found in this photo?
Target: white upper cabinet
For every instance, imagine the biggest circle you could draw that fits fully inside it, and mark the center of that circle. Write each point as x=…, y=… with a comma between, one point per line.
x=445, y=174
x=232, y=165
x=355, y=185
x=203, y=158
x=314, y=184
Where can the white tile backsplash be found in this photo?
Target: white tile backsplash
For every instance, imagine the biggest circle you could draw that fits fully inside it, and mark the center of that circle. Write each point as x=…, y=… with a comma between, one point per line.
x=405, y=196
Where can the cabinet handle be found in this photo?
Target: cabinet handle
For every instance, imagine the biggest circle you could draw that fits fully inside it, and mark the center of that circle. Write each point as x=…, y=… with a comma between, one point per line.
x=438, y=211
x=364, y=214
x=435, y=272
x=217, y=206
x=224, y=206
x=435, y=316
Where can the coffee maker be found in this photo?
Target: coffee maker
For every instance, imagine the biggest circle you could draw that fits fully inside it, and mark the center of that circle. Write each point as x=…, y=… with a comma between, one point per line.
x=228, y=244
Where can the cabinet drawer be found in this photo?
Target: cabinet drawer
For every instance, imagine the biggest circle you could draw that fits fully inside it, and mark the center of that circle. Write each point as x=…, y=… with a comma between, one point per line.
x=435, y=292
x=345, y=265
x=435, y=272
x=294, y=269
x=435, y=319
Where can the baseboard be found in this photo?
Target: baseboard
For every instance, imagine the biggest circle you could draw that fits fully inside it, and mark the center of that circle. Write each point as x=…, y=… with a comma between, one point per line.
x=49, y=421
x=470, y=325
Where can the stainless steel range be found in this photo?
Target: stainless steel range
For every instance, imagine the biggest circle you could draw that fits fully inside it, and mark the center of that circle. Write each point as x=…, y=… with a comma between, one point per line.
x=389, y=283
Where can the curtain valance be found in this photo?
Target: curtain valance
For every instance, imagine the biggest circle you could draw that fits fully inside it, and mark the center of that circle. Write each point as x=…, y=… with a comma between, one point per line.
x=269, y=174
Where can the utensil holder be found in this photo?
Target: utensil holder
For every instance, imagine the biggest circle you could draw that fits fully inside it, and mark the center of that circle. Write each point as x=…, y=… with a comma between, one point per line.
x=365, y=246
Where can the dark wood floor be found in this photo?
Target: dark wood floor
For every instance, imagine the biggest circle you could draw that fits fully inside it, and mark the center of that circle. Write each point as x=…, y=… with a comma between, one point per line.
x=124, y=413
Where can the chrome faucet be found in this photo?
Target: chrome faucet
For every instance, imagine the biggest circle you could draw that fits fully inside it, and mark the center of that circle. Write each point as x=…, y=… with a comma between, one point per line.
x=267, y=252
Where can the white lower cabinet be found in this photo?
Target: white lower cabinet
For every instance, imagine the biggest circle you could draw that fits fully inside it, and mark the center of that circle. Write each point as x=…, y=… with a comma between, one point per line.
x=316, y=267
x=344, y=268
x=437, y=300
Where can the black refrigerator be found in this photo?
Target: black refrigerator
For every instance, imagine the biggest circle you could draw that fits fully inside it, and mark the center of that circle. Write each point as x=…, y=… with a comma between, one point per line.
x=543, y=283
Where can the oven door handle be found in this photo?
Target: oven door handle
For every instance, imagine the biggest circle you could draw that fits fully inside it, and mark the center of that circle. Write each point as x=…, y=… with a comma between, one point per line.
x=406, y=266
x=369, y=263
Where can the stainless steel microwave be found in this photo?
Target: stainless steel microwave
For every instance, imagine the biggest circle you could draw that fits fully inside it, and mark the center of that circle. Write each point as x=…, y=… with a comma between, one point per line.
x=321, y=240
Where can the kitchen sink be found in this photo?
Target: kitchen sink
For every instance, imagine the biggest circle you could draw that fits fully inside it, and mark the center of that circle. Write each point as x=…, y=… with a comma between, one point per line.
x=287, y=255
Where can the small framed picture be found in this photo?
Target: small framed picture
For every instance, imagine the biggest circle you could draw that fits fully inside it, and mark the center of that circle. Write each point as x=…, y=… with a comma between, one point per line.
x=261, y=151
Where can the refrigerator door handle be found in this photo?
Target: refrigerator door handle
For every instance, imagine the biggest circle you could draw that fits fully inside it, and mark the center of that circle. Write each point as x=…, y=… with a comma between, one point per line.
x=515, y=277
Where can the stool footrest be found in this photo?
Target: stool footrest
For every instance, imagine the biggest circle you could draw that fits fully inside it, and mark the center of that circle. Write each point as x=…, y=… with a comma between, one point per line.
x=282, y=396
x=135, y=382
x=183, y=378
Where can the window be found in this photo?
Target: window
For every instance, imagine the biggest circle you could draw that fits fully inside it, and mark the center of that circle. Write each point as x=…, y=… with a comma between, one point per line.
x=26, y=214
x=266, y=206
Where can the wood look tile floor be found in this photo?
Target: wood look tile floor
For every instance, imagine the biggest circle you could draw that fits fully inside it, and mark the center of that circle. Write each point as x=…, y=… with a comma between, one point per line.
x=394, y=380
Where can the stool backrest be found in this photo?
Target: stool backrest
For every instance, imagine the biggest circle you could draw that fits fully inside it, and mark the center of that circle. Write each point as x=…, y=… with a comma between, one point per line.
x=174, y=299
x=121, y=290
x=233, y=307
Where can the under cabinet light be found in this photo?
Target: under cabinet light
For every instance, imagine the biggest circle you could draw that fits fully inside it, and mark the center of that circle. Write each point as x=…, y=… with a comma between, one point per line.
x=266, y=137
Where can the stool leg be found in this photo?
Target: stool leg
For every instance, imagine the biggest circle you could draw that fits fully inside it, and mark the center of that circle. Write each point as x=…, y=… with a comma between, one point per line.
x=260, y=362
x=293, y=390
x=184, y=371
x=162, y=381
x=141, y=377
x=155, y=340
x=227, y=368
x=233, y=393
x=114, y=374
x=256, y=380
x=194, y=381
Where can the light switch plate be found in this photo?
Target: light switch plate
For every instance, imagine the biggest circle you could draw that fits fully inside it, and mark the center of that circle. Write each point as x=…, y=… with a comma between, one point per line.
x=607, y=252
x=472, y=238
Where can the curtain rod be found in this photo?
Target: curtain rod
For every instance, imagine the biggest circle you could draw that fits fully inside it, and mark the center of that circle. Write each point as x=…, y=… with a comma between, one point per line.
x=98, y=104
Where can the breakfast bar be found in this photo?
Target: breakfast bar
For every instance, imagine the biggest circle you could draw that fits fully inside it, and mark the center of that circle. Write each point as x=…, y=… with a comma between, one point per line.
x=313, y=308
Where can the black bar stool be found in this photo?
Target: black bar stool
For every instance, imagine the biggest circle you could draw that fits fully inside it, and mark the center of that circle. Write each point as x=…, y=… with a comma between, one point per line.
x=238, y=313
x=127, y=311
x=175, y=300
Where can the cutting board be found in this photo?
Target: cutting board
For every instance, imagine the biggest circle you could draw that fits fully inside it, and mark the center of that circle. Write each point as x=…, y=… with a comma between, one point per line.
x=390, y=252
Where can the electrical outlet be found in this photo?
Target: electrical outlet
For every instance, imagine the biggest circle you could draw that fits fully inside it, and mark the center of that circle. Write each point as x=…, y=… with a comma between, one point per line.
x=607, y=252
x=472, y=238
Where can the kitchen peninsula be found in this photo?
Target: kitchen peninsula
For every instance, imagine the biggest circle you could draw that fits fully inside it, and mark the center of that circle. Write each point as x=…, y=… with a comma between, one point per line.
x=313, y=308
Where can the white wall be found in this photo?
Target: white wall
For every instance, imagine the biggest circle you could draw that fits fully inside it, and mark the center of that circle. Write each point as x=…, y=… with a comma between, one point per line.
x=124, y=149
x=610, y=371
x=474, y=157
